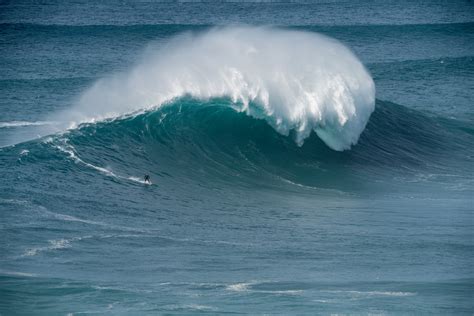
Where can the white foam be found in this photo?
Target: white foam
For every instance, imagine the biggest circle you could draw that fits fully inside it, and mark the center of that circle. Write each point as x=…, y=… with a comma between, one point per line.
x=294, y=80
x=13, y=201
x=55, y=244
x=70, y=151
x=247, y=287
x=373, y=293
x=16, y=273
x=139, y=180
x=13, y=124
x=239, y=287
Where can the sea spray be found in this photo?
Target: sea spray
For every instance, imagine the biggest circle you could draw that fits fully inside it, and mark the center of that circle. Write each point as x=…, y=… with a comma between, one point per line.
x=294, y=80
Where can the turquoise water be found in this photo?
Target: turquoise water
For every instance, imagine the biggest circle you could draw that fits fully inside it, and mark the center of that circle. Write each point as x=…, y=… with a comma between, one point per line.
x=264, y=199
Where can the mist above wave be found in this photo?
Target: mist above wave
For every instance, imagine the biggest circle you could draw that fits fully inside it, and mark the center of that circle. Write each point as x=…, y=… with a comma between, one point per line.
x=294, y=80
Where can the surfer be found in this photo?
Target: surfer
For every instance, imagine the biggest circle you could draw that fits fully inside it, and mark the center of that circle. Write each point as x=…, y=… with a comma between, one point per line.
x=147, y=179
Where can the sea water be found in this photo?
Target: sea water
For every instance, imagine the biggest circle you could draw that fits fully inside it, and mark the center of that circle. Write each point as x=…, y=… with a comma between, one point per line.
x=306, y=158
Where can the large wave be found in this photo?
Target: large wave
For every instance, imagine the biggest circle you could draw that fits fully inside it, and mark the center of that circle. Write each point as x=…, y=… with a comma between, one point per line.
x=207, y=143
x=294, y=80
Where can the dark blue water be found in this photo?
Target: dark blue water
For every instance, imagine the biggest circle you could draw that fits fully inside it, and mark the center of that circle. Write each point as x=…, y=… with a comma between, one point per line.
x=247, y=214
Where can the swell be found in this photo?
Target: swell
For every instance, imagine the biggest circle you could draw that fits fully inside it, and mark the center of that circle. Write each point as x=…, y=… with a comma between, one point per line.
x=244, y=12
x=194, y=142
x=354, y=34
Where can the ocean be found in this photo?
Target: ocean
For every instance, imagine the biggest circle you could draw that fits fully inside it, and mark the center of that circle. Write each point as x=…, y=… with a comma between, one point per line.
x=306, y=158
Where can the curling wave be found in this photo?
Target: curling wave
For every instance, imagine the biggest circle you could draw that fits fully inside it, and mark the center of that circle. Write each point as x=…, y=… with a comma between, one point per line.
x=192, y=141
x=294, y=80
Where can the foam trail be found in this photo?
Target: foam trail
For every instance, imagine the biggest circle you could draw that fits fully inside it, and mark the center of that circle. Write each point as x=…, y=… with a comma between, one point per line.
x=294, y=80
x=69, y=150
x=72, y=155
x=13, y=124
x=373, y=293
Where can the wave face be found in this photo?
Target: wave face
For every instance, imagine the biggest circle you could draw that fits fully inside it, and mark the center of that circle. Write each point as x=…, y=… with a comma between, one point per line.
x=198, y=142
x=294, y=80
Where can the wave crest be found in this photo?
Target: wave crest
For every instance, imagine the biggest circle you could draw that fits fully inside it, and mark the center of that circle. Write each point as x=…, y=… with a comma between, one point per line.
x=294, y=80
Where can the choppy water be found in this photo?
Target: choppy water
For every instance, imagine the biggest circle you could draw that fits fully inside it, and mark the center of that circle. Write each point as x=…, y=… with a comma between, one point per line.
x=291, y=175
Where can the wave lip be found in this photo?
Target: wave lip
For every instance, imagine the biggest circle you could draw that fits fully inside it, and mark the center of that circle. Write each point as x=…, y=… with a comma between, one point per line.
x=294, y=80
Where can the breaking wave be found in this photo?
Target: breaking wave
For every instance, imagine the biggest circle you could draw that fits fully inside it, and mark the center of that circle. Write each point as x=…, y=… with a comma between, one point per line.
x=294, y=80
x=192, y=141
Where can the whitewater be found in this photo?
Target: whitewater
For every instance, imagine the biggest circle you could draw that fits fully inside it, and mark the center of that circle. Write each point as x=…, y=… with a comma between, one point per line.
x=296, y=81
